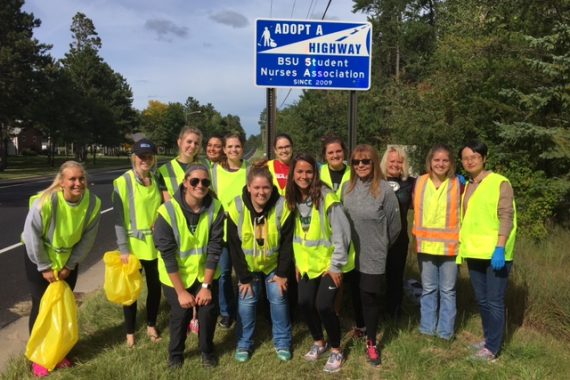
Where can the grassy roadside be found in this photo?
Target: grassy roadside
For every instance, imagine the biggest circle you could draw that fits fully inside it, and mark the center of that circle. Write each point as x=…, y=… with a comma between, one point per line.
x=23, y=167
x=537, y=344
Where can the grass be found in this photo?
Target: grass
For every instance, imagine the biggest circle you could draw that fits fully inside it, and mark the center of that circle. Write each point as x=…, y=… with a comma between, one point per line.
x=537, y=345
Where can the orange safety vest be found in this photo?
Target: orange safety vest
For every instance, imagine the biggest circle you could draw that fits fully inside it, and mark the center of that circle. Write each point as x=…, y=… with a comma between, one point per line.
x=433, y=235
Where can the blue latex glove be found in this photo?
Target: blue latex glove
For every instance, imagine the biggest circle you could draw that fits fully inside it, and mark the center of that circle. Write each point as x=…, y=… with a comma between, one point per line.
x=498, y=259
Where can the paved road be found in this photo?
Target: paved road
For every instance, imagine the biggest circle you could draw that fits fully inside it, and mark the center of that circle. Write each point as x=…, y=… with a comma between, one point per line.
x=13, y=209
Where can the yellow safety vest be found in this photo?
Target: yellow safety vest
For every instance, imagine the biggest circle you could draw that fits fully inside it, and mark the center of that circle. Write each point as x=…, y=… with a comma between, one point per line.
x=259, y=258
x=480, y=223
x=140, y=205
x=437, y=216
x=326, y=178
x=271, y=167
x=63, y=225
x=192, y=247
x=313, y=249
x=173, y=174
x=228, y=185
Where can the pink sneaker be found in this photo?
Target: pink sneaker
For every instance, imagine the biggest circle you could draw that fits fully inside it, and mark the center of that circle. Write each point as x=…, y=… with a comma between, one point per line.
x=65, y=363
x=373, y=354
x=39, y=371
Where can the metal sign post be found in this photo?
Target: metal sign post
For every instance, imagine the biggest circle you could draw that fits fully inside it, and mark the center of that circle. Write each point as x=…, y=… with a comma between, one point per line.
x=270, y=130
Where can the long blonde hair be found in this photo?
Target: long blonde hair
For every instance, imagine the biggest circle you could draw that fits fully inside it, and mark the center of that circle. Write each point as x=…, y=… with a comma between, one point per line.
x=399, y=150
x=376, y=172
x=56, y=184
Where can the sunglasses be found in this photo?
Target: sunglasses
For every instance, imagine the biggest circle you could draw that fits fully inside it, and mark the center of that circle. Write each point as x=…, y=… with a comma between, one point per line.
x=195, y=181
x=365, y=161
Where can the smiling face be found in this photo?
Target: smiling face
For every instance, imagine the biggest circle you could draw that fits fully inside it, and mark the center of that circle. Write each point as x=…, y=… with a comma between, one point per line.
x=260, y=190
x=394, y=165
x=196, y=190
x=189, y=146
x=73, y=183
x=233, y=149
x=440, y=164
x=303, y=175
x=363, y=165
x=214, y=149
x=473, y=162
x=143, y=163
x=283, y=150
x=334, y=155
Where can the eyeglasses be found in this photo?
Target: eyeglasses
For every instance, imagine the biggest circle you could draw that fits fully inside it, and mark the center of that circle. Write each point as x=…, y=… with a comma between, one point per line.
x=364, y=161
x=195, y=181
x=473, y=158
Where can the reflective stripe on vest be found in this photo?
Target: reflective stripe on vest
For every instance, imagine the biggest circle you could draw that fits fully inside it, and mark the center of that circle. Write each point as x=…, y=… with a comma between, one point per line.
x=326, y=178
x=176, y=229
x=436, y=236
x=229, y=185
x=134, y=231
x=480, y=223
x=173, y=175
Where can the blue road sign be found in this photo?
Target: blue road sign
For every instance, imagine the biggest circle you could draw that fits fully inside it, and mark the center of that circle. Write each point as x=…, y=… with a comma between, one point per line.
x=313, y=54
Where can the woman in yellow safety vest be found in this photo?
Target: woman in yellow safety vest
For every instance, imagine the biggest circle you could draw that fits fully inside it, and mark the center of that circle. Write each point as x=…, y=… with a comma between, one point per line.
x=260, y=232
x=486, y=242
x=320, y=244
x=372, y=208
x=136, y=198
x=171, y=174
x=436, y=228
x=188, y=233
x=229, y=176
x=279, y=167
x=59, y=231
x=334, y=173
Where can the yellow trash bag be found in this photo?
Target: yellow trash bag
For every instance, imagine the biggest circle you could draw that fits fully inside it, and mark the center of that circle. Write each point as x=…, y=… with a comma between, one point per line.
x=123, y=282
x=55, y=331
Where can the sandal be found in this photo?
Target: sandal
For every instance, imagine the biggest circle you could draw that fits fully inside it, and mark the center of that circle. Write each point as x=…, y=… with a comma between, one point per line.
x=130, y=340
x=152, y=334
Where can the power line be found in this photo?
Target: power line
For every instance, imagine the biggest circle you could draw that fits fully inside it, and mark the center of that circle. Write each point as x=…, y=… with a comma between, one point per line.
x=293, y=10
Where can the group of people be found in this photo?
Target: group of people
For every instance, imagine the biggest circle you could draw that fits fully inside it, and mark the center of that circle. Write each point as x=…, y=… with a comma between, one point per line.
x=295, y=232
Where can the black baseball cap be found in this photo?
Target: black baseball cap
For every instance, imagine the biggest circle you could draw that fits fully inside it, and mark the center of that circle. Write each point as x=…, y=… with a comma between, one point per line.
x=144, y=146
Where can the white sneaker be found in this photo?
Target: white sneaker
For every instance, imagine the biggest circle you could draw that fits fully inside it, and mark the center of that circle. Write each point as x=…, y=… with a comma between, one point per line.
x=315, y=352
x=334, y=363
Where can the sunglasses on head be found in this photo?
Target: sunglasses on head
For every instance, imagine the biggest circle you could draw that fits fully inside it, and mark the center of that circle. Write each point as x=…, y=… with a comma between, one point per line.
x=195, y=181
x=365, y=161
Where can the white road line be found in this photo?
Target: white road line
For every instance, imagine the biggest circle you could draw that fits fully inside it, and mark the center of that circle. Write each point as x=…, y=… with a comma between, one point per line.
x=14, y=246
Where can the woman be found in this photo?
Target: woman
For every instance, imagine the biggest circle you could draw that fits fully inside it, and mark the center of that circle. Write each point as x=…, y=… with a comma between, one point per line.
x=279, y=168
x=214, y=149
x=320, y=245
x=335, y=172
x=395, y=168
x=59, y=231
x=487, y=240
x=260, y=231
x=171, y=174
x=229, y=176
x=372, y=207
x=188, y=233
x=136, y=198
x=436, y=228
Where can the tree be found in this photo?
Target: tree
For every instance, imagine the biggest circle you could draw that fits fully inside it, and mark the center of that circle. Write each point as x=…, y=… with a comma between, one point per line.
x=22, y=58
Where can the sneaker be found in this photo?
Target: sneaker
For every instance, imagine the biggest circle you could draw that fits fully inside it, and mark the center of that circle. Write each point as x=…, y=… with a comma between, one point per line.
x=65, y=363
x=39, y=371
x=283, y=354
x=477, y=346
x=241, y=355
x=334, y=363
x=209, y=360
x=358, y=332
x=373, y=354
x=226, y=322
x=315, y=352
x=484, y=354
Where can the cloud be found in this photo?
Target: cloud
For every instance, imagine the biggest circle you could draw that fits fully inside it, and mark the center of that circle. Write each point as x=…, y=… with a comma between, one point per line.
x=230, y=18
x=163, y=28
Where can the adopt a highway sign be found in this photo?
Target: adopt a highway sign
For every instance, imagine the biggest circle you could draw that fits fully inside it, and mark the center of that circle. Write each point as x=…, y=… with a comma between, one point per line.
x=313, y=54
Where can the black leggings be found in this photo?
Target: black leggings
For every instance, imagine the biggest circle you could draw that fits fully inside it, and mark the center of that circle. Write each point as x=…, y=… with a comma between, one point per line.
x=371, y=288
x=152, y=298
x=38, y=285
x=317, y=303
x=395, y=267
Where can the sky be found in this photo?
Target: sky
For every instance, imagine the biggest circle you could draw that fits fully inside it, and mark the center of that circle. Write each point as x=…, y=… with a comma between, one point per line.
x=172, y=49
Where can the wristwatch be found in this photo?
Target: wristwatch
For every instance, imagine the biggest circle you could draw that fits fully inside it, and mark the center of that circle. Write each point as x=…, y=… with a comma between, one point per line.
x=206, y=286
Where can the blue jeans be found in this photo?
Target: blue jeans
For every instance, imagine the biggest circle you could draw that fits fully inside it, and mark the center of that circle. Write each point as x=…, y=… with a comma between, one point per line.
x=226, y=295
x=281, y=324
x=490, y=287
x=438, y=308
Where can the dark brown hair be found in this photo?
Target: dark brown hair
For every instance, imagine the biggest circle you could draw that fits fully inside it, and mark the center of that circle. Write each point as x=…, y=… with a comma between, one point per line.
x=292, y=192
